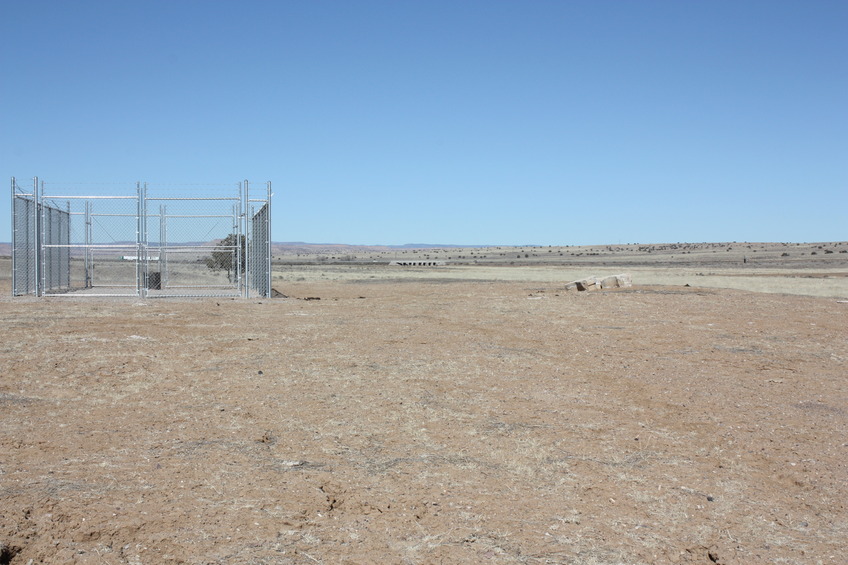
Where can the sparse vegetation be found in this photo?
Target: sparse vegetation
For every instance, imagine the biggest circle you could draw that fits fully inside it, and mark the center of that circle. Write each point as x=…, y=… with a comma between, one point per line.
x=229, y=253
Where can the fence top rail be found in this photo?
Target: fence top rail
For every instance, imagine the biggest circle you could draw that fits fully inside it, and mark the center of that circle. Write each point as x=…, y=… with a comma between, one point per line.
x=75, y=197
x=92, y=295
x=92, y=245
x=105, y=215
x=157, y=198
x=166, y=216
x=201, y=285
x=177, y=248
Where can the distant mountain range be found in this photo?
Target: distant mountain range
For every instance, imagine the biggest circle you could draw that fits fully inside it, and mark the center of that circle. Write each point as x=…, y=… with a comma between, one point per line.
x=288, y=247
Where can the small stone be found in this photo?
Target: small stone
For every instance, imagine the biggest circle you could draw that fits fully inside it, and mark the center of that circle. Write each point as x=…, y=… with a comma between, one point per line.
x=292, y=463
x=710, y=498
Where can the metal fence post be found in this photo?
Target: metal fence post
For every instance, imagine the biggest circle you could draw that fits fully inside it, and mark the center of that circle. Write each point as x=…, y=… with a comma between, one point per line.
x=66, y=249
x=138, y=230
x=246, y=219
x=39, y=284
x=269, y=261
x=87, y=239
x=14, y=240
x=163, y=242
x=235, y=254
x=145, y=259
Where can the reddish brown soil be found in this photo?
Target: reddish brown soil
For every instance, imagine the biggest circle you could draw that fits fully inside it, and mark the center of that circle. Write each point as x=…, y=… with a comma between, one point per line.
x=426, y=423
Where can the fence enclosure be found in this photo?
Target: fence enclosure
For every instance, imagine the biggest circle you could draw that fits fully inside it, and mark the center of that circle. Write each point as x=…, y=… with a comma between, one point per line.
x=143, y=240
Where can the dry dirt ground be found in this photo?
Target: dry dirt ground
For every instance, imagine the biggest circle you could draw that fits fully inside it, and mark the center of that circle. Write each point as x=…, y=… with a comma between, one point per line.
x=425, y=422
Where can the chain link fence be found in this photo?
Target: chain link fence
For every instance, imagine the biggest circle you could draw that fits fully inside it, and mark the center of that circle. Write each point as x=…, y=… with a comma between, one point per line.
x=142, y=240
x=259, y=257
x=25, y=239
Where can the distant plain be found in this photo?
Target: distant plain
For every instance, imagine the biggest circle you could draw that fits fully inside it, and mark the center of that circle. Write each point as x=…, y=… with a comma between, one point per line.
x=812, y=269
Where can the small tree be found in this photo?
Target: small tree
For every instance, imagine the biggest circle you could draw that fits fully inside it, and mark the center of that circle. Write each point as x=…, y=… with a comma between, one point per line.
x=223, y=258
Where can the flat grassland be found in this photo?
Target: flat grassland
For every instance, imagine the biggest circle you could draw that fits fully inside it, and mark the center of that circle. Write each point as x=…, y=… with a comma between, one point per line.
x=810, y=269
x=470, y=412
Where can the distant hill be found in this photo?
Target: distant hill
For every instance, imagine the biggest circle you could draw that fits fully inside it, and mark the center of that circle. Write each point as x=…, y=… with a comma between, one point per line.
x=436, y=246
x=289, y=247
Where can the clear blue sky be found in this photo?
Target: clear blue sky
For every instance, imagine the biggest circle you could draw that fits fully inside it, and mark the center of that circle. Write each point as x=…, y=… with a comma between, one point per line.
x=468, y=122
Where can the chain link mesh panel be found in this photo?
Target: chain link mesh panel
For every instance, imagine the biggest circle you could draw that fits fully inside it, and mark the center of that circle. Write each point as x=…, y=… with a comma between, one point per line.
x=55, y=257
x=24, y=240
x=259, y=227
x=195, y=245
x=98, y=253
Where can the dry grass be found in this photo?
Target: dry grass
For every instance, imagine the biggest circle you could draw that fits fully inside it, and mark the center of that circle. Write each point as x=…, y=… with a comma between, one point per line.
x=832, y=283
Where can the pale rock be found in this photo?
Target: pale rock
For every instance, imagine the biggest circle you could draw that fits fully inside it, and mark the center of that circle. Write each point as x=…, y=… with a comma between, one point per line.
x=593, y=283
